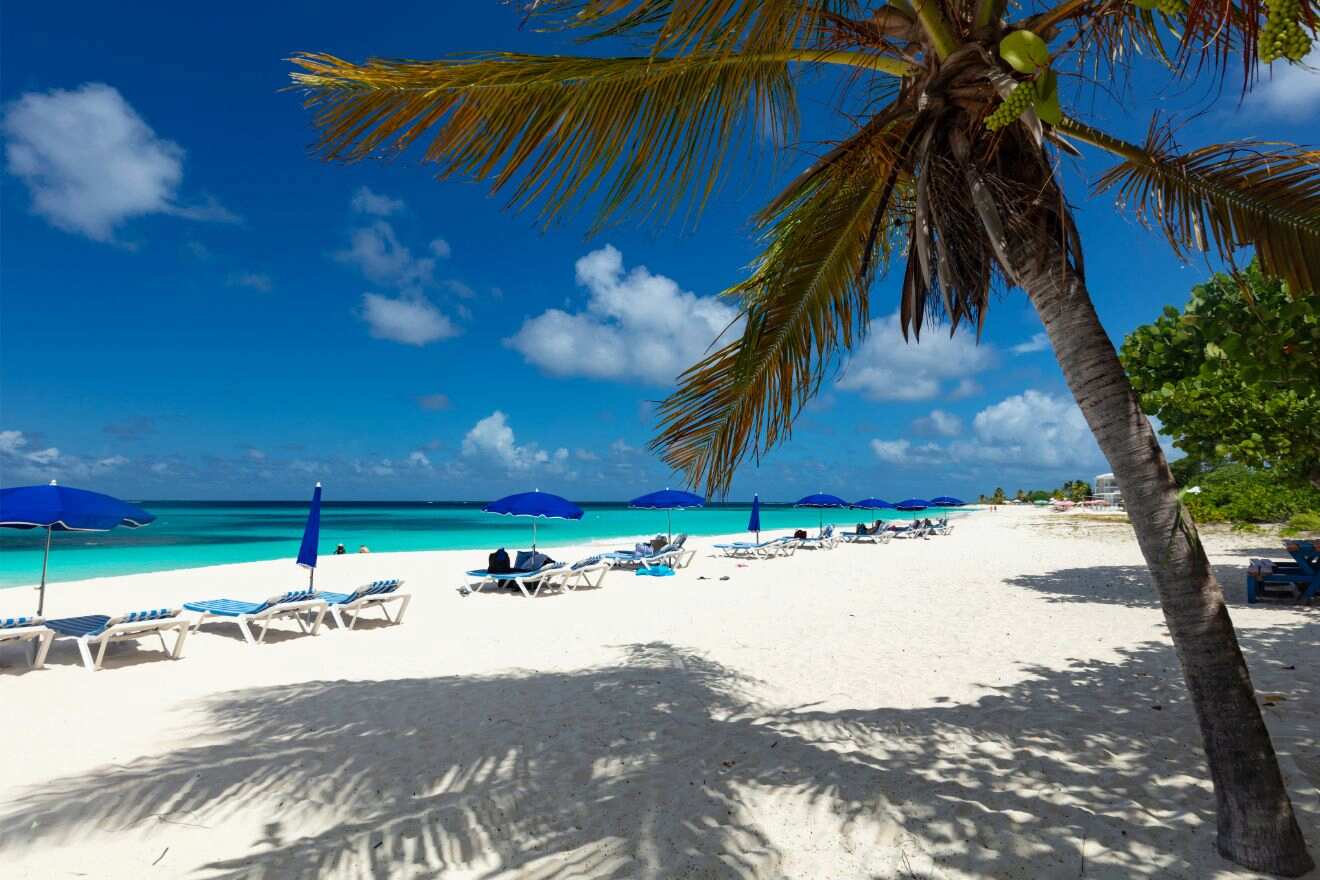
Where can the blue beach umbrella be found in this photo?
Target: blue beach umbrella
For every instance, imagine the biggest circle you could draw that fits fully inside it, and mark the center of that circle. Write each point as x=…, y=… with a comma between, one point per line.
x=754, y=521
x=913, y=504
x=821, y=500
x=946, y=501
x=873, y=504
x=58, y=508
x=536, y=504
x=311, y=536
x=668, y=500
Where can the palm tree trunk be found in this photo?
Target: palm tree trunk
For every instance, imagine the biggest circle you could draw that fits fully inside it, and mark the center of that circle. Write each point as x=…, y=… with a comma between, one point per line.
x=1255, y=817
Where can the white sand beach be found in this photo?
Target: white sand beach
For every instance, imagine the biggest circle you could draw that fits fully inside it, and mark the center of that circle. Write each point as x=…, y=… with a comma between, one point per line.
x=1003, y=702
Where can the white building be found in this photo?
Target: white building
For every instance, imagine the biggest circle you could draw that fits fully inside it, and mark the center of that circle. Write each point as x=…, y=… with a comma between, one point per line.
x=1105, y=487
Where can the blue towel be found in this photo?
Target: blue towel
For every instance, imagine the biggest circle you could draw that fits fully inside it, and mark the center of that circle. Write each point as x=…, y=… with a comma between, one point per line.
x=658, y=571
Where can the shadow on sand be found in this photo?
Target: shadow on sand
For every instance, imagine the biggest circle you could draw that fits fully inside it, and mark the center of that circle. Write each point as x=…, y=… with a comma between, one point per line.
x=662, y=766
x=1131, y=586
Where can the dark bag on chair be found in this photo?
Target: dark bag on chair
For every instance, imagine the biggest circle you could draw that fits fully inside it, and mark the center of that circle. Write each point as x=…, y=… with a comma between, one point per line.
x=498, y=562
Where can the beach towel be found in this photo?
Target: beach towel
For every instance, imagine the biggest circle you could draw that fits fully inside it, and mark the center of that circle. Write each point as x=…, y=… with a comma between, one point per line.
x=658, y=571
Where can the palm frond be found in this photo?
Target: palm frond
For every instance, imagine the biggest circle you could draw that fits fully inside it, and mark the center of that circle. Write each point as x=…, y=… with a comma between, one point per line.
x=635, y=131
x=1227, y=196
x=702, y=25
x=806, y=300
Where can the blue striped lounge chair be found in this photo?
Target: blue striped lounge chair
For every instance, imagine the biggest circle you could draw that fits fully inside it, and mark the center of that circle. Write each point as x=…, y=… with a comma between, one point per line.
x=784, y=546
x=523, y=580
x=589, y=572
x=826, y=540
x=295, y=604
x=377, y=594
x=99, y=630
x=28, y=629
x=879, y=536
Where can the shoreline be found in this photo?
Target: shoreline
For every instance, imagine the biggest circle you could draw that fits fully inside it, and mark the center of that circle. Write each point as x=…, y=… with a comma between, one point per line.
x=555, y=541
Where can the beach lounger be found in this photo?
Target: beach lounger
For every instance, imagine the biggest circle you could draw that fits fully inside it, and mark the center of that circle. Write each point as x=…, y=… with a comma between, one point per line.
x=589, y=572
x=521, y=579
x=99, y=630
x=1298, y=579
x=764, y=550
x=879, y=537
x=826, y=540
x=296, y=604
x=28, y=629
x=377, y=594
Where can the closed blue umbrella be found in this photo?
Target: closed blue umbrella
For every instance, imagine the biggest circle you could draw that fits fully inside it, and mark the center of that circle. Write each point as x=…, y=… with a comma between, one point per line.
x=536, y=504
x=821, y=500
x=913, y=504
x=946, y=501
x=58, y=508
x=754, y=521
x=668, y=500
x=311, y=537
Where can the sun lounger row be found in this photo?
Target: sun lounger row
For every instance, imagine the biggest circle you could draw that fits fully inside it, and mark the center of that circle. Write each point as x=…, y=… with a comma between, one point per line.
x=93, y=633
x=589, y=572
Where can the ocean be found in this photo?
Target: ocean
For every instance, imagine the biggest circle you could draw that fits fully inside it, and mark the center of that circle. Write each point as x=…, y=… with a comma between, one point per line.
x=194, y=533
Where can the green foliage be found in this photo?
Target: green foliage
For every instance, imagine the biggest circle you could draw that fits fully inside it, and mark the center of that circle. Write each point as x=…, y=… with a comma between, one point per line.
x=998, y=497
x=1237, y=493
x=1234, y=377
x=1305, y=523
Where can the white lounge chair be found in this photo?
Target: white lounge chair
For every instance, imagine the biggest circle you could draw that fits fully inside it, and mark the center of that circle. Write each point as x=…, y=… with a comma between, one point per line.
x=377, y=594
x=482, y=578
x=99, y=630
x=879, y=537
x=826, y=540
x=28, y=629
x=589, y=572
x=785, y=546
x=296, y=604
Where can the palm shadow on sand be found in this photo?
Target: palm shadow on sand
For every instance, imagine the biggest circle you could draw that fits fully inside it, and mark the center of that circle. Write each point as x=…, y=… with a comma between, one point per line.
x=659, y=766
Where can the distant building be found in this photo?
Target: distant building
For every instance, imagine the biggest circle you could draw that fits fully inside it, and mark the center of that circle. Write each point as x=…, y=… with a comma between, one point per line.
x=1106, y=489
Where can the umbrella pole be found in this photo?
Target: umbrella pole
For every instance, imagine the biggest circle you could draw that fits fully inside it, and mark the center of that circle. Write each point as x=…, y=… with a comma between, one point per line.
x=41, y=597
x=533, y=534
x=669, y=524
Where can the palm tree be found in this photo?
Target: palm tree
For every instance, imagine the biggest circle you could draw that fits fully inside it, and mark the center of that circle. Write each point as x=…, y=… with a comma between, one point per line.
x=950, y=170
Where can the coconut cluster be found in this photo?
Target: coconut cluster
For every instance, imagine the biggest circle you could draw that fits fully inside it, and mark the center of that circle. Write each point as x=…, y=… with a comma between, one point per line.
x=1017, y=102
x=1282, y=36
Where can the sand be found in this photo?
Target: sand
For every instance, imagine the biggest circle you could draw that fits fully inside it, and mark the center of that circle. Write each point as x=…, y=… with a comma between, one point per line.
x=1003, y=702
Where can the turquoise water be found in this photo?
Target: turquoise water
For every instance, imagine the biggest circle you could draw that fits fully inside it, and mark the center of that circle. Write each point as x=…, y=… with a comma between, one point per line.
x=189, y=533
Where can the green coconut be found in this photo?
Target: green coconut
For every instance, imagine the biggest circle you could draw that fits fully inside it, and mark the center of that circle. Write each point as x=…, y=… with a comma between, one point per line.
x=1024, y=51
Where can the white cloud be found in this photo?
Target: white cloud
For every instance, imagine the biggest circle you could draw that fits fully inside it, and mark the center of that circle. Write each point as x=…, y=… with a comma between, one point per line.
x=1038, y=342
x=410, y=319
x=367, y=201
x=418, y=459
x=440, y=248
x=1289, y=91
x=635, y=325
x=90, y=162
x=1031, y=430
x=379, y=255
x=885, y=367
x=20, y=462
x=940, y=422
x=907, y=453
x=492, y=439
x=255, y=280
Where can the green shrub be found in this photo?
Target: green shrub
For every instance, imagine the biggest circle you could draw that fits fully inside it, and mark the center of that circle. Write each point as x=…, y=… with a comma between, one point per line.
x=1235, y=493
x=1305, y=523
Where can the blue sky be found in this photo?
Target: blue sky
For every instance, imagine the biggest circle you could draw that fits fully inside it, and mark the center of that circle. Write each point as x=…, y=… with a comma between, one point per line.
x=192, y=307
